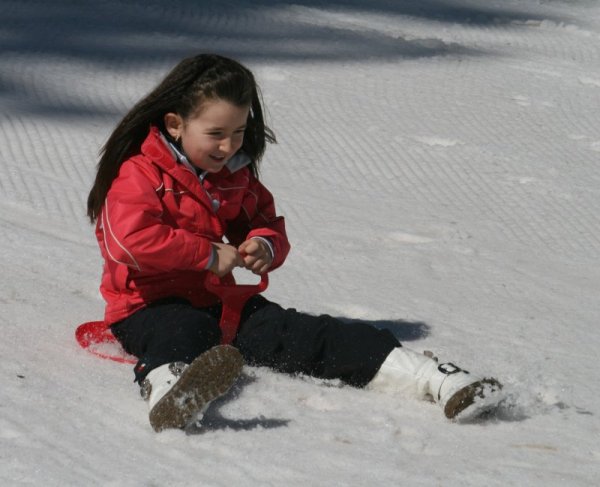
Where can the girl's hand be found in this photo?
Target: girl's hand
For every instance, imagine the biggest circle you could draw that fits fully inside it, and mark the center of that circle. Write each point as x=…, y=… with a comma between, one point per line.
x=226, y=259
x=256, y=255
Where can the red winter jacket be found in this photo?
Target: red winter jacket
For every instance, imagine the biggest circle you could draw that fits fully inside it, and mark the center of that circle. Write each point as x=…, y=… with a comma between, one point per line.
x=157, y=224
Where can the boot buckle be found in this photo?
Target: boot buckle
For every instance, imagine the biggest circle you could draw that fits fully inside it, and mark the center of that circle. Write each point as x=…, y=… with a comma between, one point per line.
x=449, y=368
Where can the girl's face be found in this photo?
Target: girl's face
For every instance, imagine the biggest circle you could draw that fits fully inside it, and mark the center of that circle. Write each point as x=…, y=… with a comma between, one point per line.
x=212, y=135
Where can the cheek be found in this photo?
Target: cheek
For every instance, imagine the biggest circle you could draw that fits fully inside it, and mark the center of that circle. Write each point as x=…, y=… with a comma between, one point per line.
x=199, y=144
x=238, y=143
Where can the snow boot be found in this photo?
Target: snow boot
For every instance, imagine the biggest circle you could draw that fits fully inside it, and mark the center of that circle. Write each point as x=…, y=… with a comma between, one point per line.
x=460, y=394
x=178, y=393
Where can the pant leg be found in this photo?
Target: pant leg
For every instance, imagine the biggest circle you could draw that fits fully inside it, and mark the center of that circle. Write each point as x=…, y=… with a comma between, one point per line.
x=166, y=331
x=320, y=346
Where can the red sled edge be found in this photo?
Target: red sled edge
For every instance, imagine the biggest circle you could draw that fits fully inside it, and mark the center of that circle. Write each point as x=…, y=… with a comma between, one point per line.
x=93, y=334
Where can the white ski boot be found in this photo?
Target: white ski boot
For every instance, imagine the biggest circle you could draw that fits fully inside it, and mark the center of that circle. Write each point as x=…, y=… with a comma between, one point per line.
x=178, y=393
x=459, y=393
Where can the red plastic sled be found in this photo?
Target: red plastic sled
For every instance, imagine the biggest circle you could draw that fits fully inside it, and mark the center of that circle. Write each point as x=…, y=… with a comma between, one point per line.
x=234, y=297
x=96, y=337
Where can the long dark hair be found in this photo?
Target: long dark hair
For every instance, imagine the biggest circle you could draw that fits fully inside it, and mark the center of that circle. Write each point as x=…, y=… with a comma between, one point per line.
x=193, y=81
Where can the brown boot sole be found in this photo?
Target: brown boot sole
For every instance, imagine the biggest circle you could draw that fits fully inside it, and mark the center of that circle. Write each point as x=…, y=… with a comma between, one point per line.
x=205, y=379
x=467, y=396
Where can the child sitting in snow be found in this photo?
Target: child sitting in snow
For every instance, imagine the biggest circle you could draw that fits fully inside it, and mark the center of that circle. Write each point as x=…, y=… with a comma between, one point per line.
x=177, y=175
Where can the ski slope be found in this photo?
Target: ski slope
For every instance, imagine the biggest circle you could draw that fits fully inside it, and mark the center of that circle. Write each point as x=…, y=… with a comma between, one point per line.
x=438, y=167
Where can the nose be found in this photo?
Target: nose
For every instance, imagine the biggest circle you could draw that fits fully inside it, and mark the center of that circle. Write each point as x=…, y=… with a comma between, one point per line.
x=226, y=145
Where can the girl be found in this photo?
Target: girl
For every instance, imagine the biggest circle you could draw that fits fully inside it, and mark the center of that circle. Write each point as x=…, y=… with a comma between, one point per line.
x=177, y=176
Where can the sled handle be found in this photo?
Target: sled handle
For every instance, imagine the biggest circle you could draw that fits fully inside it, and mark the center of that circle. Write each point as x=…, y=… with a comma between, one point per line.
x=233, y=298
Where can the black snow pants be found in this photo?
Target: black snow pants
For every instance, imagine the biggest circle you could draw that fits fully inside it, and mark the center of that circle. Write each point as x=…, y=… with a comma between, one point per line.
x=172, y=330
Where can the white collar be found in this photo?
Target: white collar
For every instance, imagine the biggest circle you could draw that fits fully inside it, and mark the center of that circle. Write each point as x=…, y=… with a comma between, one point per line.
x=237, y=162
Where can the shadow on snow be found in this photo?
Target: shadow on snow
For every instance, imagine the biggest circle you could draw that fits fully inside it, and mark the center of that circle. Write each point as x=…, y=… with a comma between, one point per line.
x=161, y=33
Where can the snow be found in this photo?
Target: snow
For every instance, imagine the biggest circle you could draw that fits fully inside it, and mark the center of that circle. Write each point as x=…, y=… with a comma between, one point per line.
x=438, y=168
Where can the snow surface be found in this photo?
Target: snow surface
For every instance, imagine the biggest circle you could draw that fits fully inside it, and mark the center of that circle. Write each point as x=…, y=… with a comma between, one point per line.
x=438, y=167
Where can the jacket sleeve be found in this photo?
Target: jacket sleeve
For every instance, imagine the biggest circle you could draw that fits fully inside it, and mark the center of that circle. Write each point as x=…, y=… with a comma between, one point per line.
x=258, y=218
x=134, y=233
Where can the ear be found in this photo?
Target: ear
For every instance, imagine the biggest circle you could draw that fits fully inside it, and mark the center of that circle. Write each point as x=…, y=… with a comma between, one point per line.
x=173, y=124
